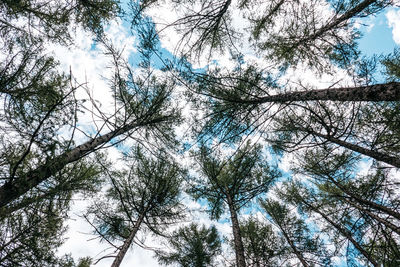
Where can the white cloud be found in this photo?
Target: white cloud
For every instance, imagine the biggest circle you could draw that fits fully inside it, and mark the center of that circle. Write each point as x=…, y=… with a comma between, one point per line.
x=393, y=17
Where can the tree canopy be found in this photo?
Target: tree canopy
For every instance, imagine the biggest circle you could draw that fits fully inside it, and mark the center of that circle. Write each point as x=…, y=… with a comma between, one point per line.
x=265, y=115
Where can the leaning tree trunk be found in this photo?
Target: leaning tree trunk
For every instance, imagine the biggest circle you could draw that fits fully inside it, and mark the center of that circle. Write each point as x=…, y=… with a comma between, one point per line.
x=374, y=93
x=128, y=242
x=237, y=237
x=16, y=188
x=394, y=161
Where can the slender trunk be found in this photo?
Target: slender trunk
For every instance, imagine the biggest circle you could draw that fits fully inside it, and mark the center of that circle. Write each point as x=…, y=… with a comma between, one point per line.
x=237, y=238
x=374, y=93
x=15, y=189
x=128, y=242
x=394, y=161
x=346, y=233
x=291, y=244
x=369, y=203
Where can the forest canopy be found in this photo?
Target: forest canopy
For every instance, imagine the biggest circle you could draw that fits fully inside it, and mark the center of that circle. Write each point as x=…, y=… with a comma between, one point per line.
x=209, y=133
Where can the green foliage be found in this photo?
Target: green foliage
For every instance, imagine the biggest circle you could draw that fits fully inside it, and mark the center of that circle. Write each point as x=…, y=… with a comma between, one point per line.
x=302, y=243
x=392, y=65
x=231, y=101
x=68, y=261
x=150, y=188
x=263, y=247
x=240, y=178
x=50, y=20
x=31, y=236
x=192, y=246
x=368, y=211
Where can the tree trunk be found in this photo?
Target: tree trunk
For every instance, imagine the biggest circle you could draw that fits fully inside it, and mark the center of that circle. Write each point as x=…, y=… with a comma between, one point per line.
x=374, y=93
x=13, y=190
x=237, y=237
x=394, y=161
x=346, y=233
x=128, y=242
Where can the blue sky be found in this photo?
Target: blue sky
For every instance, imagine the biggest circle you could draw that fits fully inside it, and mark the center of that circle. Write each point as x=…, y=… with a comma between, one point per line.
x=378, y=37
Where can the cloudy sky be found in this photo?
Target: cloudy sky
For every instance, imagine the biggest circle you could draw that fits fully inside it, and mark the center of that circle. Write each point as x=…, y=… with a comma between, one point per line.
x=88, y=64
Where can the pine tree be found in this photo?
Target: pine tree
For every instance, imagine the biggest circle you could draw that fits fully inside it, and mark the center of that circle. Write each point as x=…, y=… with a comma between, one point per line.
x=302, y=243
x=192, y=246
x=317, y=124
x=143, y=108
x=146, y=195
x=232, y=182
x=262, y=246
x=368, y=215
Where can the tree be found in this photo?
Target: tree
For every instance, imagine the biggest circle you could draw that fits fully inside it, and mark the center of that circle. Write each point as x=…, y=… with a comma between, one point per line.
x=145, y=195
x=192, y=246
x=39, y=101
x=32, y=229
x=320, y=123
x=262, y=246
x=368, y=215
x=312, y=35
x=27, y=73
x=307, y=247
x=233, y=182
x=142, y=108
x=41, y=165
x=31, y=236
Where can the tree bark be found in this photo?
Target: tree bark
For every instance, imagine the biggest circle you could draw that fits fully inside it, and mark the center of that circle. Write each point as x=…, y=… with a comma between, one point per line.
x=121, y=254
x=21, y=185
x=373, y=93
x=237, y=237
x=394, y=161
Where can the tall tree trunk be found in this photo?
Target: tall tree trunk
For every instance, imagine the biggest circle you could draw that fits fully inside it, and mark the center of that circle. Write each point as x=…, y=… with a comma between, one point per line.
x=377, y=92
x=346, y=233
x=237, y=237
x=394, y=161
x=121, y=254
x=16, y=188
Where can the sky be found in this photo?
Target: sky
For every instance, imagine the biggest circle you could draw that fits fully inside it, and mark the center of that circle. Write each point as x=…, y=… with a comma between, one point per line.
x=381, y=34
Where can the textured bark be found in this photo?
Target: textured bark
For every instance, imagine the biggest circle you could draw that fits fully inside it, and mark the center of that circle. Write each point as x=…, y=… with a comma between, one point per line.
x=346, y=233
x=121, y=254
x=237, y=237
x=373, y=93
x=21, y=185
x=394, y=161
